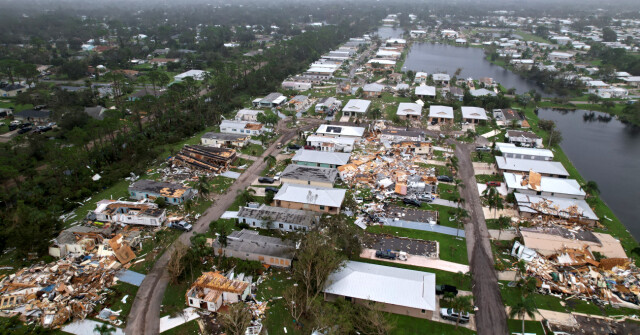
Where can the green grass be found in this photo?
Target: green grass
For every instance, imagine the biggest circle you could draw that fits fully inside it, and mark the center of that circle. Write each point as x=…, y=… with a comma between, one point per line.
x=408, y=325
x=530, y=37
x=188, y=328
x=221, y=184
x=161, y=240
x=533, y=327
x=484, y=178
x=118, y=190
x=174, y=300
x=252, y=150
x=452, y=249
x=114, y=299
x=448, y=192
x=277, y=315
x=461, y=281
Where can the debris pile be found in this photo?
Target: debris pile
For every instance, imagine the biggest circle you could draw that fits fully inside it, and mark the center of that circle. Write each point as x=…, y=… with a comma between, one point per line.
x=206, y=158
x=54, y=293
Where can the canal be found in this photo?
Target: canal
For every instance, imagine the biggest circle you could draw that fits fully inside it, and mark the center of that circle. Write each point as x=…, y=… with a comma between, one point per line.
x=606, y=151
x=443, y=58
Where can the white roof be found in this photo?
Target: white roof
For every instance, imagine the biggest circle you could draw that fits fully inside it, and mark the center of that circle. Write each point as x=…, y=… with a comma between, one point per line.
x=426, y=90
x=482, y=92
x=248, y=112
x=441, y=76
x=384, y=284
x=511, y=148
x=312, y=195
x=473, y=113
x=441, y=111
x=597, y=83
x=386, y=53
x=327, y=139
x=357, y=105
x=396, y=41
x=373, y=87
x=421, y=74
x=313, y=156
x=382, y=61
x=561, y=206
x=561, y=54
x=633, y=79
x=317, y=69
x=195, y=74
x=337, y=131
x=525, y=165
x=547, y=184
x=408, y=108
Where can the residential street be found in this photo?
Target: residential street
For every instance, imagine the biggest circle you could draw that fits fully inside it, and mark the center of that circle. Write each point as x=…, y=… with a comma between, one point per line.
x=491, y=317
x=144, y=317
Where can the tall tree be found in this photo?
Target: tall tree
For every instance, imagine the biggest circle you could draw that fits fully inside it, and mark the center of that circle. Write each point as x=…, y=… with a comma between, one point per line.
x=462, y=304
x=524, y=307
x=236, y=319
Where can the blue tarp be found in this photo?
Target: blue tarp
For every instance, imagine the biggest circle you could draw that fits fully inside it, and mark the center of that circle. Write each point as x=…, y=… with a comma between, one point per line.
x=130, y=277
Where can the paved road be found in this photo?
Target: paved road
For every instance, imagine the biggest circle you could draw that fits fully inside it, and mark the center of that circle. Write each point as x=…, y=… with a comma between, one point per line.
x=145, y=311
x=491, y=317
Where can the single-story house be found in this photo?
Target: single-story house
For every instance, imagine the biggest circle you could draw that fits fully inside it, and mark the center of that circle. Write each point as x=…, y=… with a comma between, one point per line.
x=137, y=95
x=320, y=158
x=440, y=114
x=241, y=127
x=195, y=74
x=549, y=241
x=545, y=168
x=421, y=77
x=510, y=150
x=356, y=107
x=97, y=112
x=535, y=184
x=508, y=116
x=150, y=189
x=248, y=115
x=284, y=219
x=381, y=64
x=561, y=57
x=441, y=79
x=270, y=101
x=409, y=111
x=5, y=112
x=473, y=114
x=525, y=139
x=530, y=206
x=313, y=198
x=220, y=140
x=11, y=90
x=299, y=103
x=633, y=80
x=425, y=91
x=340, y=131
x=32, y=115
x=296, y=85
x=213, y=290
x=127, y=212
x=372, y=90
x=482, y=92
x=309, y=175
x=331, y=144
x=327, y=105
x=396, y=290
x=249, y=245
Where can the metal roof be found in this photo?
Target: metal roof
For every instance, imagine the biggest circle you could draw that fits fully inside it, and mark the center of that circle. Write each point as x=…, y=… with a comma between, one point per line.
x=441, y=111
x=510, y=148
x=408, y=108
x=357, y=105
x=327, y=129
x=312, y=195
x=314, y=156
x=278, y=214
x=473, y=113
x=384, y=284
x=249, y=241
x=547, y=184
x=300, y=172
x=426, y=90
x=557, y=206
x=525, y=165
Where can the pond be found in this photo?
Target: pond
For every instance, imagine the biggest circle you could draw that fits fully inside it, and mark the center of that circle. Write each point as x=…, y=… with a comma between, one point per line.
x=606, y=151
x=443, y=58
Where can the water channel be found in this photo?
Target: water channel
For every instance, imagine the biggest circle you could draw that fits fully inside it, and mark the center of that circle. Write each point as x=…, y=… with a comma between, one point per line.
x=607, y=152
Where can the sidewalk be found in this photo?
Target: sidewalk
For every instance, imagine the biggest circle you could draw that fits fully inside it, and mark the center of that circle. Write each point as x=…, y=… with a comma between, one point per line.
x=421, y=261
x=566, y=319
x=506, y=235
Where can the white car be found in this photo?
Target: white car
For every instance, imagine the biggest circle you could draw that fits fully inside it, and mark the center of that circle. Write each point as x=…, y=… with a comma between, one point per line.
x=277, y=176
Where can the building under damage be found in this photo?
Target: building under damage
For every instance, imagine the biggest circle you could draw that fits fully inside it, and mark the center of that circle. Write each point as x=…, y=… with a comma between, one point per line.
x=213, y=290
x=127, y=212
x=206, y=158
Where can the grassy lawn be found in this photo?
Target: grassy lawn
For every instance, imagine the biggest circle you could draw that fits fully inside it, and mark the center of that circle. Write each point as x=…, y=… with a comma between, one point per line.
x=440, y=169
x=459, y=280
x=117, y=191
x=484, y=178
x=174, y=299
x=154, y=247
x=530, y=327
x=252, y=150
x=188, y=328
x=221, y=184
x=530, y=37
x=114, y=299
x=408, y=325
x=448, y=192
x=452, y=249
x=277, y=315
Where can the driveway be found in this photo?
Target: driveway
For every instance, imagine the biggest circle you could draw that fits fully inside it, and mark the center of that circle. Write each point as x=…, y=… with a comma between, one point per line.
x=421, y=261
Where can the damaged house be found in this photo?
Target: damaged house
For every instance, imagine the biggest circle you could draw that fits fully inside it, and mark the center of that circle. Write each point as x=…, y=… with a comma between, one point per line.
x=129, y=213
x=242, y=127
x=78, y=240
x=309, y=175
x=249, y=245
x=313, y=198
x=213, y=290
x=331, y=144
x=574, y=210
x=150, y=189
x=284, y=219
x=206, y=158
x=220, y=140
x=535, y=184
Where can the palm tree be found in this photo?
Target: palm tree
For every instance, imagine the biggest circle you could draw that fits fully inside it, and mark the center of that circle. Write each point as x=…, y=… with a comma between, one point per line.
x=525, y=306
x=247, y=195
x=493, y=198
x=271, y=161
x=203, y=186
x=461, y=215
x=462, y=304
x=503, y=222
x=104, y=329
x=591, y=187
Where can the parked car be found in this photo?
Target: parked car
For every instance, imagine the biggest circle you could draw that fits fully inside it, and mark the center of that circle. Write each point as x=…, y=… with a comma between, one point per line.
x=309, y=147
x=386, y=254
x=182, y=225
x=294, y=147
x=266, y=180
x=442, y=289
x=493, y=183
x=277, y=176
x=279, y=145
x=446, y=179
x=412, y=202
x=271, y=189
x=42, y=129
x=483, y=149
x=452, y=315
x=426, y=197
x=24, y=125
x=24, y=130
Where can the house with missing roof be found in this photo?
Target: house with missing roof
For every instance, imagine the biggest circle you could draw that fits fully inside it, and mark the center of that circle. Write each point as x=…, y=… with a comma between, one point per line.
x=409, y=111
x=309, y=175
x=525, y=139
x=356, y=107
x=473, y=115
x=249, y=245
x=213, y=290
x=396, y=290
x=220, y=140
x=535, y=184
x=317, y=158
x=508, y=116
x=129, y=213
x=340, y=131
x=284, y=219
x=531, y=206
x=173, y=194
x=312, y=198
x=331, y=144
x=440, y=114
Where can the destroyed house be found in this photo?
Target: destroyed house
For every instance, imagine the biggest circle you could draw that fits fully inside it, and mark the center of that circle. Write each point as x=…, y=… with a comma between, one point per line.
x=206, y=158
x=249, y=245
x=549, y=240
x=575, y=210
x=284, y=219
x=320, y=158
x=523, y=138
x=309, y=175
x=151, y=189
x=395, y=290
x=331, y=144
x=127, y=212
x=248, y=115
x=545, y=168
x=219, y=140
x=313, y=198
x=213, y=290
x=535, y=184
x=241, y=127
x=509, y=116
x=77, y=240
x=414, y=147
x=399, y=134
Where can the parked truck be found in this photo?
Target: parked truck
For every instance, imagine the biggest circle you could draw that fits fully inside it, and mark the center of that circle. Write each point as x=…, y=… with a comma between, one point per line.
x=388, y=254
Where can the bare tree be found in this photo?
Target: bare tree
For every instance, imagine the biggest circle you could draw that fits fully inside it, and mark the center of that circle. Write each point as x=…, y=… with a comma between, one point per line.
x=176, y=266
x=236, y=320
